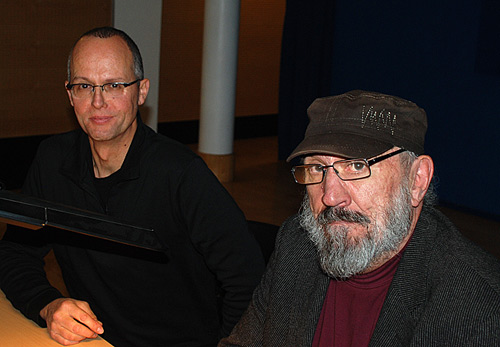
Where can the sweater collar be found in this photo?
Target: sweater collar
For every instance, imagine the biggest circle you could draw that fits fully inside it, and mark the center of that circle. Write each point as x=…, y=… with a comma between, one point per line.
x=78, y=165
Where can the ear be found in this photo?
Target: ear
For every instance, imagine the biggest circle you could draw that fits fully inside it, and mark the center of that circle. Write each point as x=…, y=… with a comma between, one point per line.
x=70, y=96
x=422, y=172
x=143, y=91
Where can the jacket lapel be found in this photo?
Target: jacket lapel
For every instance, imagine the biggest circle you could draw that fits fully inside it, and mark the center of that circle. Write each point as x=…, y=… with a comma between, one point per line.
x=310, y=291
x=407, y=293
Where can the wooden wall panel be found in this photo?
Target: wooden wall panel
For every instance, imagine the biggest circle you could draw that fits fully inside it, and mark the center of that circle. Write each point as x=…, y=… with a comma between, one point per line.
x=180, y=62
x=35, y=39
x=259, y=54
x=261, y=23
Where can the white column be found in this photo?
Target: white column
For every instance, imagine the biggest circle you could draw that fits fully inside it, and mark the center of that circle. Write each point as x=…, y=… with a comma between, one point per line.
x=141, y=20
x=218, y=85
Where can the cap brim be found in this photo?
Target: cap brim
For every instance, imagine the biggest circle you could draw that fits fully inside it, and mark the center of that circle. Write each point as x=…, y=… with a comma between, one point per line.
x=341, y=145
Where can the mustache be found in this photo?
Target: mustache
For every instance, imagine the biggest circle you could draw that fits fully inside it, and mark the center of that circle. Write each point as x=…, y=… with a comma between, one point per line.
x=340, y=214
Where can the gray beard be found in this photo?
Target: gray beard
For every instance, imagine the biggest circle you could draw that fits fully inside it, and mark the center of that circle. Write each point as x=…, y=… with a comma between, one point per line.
x=342, y=256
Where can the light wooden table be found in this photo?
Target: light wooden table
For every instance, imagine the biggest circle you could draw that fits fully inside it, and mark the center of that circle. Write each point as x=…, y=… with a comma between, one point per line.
x=18, y=331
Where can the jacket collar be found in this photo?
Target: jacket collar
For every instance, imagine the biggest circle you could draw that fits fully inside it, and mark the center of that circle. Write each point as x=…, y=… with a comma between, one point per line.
x=308, y=299
x=407, y=293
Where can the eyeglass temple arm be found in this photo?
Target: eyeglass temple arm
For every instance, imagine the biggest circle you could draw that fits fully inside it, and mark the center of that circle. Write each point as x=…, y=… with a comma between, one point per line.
x=388, y=155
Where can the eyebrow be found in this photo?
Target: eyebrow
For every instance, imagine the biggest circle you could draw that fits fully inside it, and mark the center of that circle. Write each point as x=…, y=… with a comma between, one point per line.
x=86, y=80
x=320, y=160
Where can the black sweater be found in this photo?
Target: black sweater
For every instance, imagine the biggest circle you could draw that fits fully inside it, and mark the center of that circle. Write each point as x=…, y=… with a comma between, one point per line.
x=143, y=298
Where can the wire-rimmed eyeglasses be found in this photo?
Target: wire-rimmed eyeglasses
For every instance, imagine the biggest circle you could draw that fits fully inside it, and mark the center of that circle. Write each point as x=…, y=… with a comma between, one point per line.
x=346, y=170
x=86, y=90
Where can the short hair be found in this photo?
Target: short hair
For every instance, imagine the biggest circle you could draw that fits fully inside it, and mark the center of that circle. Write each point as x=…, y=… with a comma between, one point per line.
x=105, y=33
x=407, y=159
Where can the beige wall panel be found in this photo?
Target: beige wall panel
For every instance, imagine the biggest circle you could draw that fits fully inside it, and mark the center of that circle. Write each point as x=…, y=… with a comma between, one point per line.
x=35, y=38
x=180, y=64
x=261, y=25
x=259, y=54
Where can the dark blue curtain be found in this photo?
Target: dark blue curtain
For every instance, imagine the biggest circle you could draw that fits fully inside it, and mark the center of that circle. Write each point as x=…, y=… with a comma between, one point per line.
x=443, y=55
x=306, y=66
x=488, y=48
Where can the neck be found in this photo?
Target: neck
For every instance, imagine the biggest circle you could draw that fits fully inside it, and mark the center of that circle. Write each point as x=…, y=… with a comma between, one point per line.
x=108, y=156
x=106, y=160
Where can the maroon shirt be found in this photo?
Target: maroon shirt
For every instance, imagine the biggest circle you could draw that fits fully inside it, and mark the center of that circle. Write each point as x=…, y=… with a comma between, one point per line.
x=351, y=307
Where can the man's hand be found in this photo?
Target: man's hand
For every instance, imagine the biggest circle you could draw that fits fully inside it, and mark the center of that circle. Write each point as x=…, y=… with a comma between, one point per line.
x=70, y=321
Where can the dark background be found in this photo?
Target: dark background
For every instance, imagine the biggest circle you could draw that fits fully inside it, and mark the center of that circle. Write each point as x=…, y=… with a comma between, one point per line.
x=443, y=55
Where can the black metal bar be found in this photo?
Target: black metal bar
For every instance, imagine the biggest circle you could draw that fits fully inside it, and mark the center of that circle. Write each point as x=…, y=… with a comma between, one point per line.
x=34, y=213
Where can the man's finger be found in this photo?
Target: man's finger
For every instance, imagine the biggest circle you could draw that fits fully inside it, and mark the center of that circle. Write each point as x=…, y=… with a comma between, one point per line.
x=87, y=323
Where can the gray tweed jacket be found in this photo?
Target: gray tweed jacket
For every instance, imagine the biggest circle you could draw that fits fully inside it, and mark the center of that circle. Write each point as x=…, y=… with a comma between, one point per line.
x=446, y=292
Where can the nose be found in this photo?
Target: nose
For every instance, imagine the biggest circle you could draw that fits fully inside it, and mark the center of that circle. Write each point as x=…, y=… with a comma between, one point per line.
x=97, y=98
x=335, y=192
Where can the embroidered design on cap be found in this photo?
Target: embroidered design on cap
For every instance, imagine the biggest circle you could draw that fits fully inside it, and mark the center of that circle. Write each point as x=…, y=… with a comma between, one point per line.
x=382, y=119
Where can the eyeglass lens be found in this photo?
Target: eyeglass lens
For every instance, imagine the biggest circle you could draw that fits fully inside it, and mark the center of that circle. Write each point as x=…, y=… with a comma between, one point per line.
x=345, y=169
x=113, y=89
x=85, y=90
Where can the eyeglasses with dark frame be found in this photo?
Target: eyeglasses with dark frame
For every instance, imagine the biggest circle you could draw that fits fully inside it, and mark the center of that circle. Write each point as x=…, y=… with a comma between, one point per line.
x=86, y=90
x=346, y=170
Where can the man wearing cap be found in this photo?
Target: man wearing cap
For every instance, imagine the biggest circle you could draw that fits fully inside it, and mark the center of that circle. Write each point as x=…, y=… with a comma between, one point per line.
x=368, y=260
